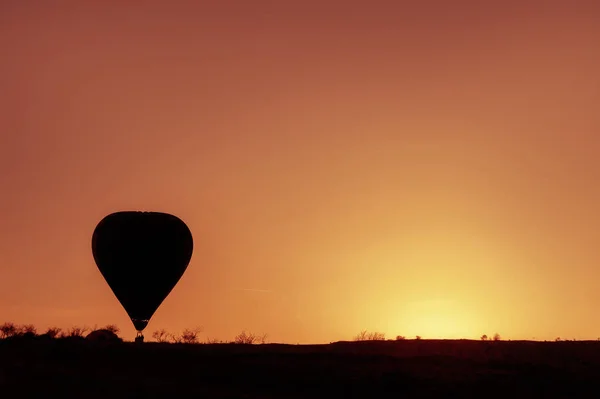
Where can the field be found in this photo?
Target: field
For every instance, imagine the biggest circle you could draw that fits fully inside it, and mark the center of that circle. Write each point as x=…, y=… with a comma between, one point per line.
x=413, y=368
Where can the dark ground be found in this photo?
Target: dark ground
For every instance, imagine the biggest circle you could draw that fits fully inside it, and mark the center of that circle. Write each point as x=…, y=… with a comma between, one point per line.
x=439, y=369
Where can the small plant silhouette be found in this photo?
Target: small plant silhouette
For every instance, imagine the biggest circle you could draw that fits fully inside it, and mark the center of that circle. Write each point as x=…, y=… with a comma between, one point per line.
x=484, y=337
x=497, y=337
x=400, y=338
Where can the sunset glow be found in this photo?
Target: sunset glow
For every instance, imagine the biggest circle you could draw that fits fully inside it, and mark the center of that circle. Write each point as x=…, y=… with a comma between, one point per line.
x=415, y=168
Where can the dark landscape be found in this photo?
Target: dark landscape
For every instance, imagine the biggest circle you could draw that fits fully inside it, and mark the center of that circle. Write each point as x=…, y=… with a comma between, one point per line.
x=75, y=367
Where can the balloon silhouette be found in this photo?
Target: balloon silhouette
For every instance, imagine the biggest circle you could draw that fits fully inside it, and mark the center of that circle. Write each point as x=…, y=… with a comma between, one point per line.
x=142, y=256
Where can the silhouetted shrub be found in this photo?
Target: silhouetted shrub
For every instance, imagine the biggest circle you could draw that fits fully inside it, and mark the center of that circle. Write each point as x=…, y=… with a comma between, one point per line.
x=187, y=336
x=190, y=336
x=161, y=335
x=8, y=330
x=369, y=336
x=103, y=335
x=53, y=332
x=497, y=337
x=484, y=337
x=175, y=338
x=75, y=332
x=112, y=328
x=213, y=341
x=418, y=337
x=377, y=336
x=400, y=337
x=249, y=338
x=29, y=330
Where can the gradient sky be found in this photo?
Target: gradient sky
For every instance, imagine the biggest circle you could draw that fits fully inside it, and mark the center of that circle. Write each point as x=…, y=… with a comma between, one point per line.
x=423, y=167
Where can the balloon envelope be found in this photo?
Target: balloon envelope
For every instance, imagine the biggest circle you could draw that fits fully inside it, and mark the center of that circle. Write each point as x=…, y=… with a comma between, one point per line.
x=142, y=256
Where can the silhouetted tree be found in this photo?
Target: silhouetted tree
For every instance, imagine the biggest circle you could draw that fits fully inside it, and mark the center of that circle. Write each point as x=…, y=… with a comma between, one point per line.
x=484, y=337
x=400, y=337
x=496, y=337
x=418, y=337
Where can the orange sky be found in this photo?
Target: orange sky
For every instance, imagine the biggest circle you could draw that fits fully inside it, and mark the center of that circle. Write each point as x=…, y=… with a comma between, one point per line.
x=424, y=169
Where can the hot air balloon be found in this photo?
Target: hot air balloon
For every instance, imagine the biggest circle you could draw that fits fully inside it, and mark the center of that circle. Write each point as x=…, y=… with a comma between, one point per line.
x=142, y=256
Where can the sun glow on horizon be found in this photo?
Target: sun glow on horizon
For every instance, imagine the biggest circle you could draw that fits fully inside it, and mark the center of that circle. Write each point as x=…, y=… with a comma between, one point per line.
x=438, y=319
